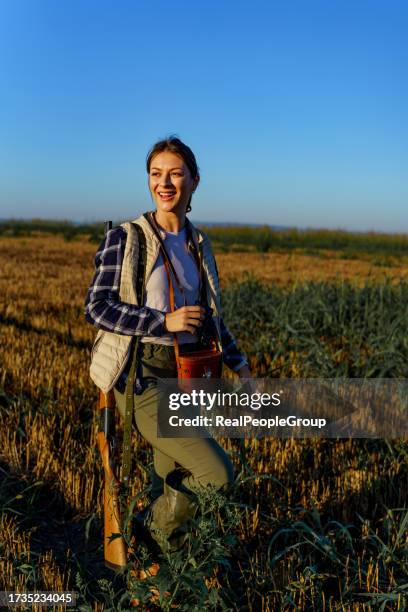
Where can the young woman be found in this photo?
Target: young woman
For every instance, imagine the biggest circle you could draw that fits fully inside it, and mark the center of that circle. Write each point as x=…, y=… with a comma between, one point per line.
x=111, y=306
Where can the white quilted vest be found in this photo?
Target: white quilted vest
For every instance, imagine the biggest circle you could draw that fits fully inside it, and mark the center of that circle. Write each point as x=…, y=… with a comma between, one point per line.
x=110, y=350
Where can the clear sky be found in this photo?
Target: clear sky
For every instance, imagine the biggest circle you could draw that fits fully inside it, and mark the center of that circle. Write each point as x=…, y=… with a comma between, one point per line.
x=295, y=110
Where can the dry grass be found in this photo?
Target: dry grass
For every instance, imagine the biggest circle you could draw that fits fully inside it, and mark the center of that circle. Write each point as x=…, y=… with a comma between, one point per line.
x=287, y=268
x=51, y=492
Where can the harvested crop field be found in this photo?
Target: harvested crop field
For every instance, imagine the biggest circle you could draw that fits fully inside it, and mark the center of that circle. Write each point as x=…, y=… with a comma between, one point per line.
x=312, y=524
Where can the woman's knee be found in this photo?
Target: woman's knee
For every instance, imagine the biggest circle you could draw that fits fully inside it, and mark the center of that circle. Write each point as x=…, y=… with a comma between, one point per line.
x=220, y=474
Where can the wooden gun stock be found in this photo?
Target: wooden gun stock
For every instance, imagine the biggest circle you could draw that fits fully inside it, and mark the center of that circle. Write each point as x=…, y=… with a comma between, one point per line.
x=115, y=549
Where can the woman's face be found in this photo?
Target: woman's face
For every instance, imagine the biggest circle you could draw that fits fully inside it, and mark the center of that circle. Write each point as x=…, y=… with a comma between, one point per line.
x=170, y=182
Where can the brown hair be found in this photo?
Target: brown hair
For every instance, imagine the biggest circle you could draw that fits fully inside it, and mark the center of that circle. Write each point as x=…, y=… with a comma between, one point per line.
x=175, y=145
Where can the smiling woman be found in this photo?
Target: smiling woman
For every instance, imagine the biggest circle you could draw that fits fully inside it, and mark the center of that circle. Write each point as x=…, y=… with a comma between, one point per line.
x=145, y=316
x=174, y=173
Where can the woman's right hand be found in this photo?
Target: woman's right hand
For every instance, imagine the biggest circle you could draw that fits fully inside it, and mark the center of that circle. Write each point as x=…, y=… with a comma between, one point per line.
x=186, y=318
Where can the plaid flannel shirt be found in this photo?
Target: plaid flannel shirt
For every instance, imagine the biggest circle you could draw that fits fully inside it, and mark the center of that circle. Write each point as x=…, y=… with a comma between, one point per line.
x=104, y=309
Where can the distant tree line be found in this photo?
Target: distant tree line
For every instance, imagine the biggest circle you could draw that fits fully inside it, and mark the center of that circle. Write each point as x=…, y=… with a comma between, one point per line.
x=265, y=238
x=68, y=229
x=235, y=238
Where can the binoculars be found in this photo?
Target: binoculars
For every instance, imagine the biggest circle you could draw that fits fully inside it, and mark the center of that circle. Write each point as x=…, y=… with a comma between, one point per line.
x=206, y=332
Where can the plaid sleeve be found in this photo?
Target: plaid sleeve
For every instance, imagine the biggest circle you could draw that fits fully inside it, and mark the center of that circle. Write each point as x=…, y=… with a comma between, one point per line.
x=103, y=307
x=231, y=356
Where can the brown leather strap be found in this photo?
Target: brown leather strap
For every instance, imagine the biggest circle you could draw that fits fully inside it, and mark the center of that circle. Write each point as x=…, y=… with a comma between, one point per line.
x=153, y=224
x=171, y=296
x=197, y=254
x=150, y=217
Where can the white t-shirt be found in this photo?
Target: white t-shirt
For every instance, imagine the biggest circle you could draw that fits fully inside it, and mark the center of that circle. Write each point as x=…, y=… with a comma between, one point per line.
x=157, y=287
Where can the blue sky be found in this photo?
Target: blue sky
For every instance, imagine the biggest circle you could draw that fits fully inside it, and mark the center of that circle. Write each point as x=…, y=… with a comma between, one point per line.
x=296, y=110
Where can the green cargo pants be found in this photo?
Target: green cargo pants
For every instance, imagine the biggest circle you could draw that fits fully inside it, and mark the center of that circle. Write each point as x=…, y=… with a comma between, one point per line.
x=180, y=462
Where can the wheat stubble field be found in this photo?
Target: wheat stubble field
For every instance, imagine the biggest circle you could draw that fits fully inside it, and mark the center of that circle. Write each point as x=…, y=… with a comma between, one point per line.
x=314, y=524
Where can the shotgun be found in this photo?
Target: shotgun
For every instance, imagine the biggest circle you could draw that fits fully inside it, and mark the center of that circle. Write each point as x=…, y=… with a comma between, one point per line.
x=115, y=548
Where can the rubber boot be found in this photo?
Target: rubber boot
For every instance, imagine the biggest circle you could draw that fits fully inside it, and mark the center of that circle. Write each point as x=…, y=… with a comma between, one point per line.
x=167, y=515
x=157, y=486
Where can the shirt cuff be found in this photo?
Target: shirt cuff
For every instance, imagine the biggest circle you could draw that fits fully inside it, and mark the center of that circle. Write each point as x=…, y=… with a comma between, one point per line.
x=159, y=324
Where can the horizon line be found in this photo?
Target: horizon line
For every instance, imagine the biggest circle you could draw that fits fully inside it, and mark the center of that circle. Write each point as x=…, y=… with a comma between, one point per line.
x=274, y=227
